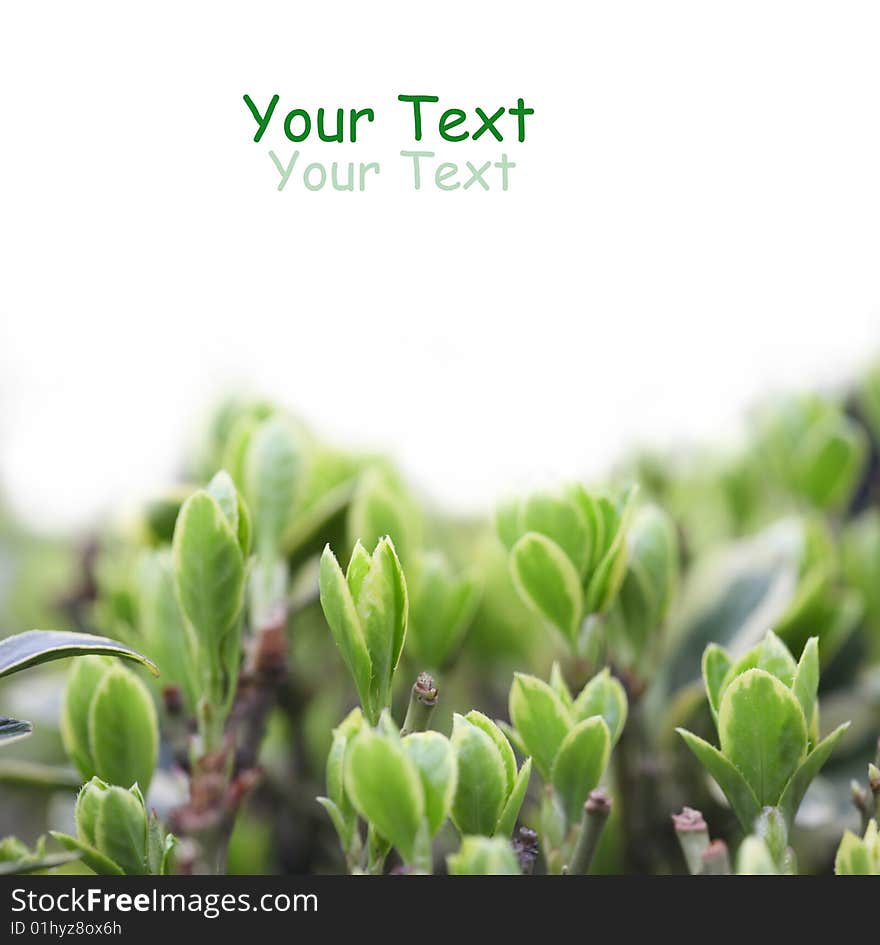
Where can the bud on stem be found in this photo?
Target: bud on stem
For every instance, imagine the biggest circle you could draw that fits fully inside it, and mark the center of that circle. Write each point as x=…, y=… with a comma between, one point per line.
x=693, y=835
x=422, y=700
x=596, y=811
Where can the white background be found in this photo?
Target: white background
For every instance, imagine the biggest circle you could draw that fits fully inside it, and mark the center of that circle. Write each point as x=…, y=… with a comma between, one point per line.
x=694, y=221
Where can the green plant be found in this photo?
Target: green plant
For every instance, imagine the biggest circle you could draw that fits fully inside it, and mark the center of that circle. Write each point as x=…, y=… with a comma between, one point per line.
x=366, y=609
x=859, y=856
x=109, y=724
x=17, y=858
x=482, y=856
x=570, y=739
x=115, y=835
x=265, y=639
x=490, y=789
x=568, y=555
x=812, y=449
x=766, y=713
x=211, y=541
x=402, y=787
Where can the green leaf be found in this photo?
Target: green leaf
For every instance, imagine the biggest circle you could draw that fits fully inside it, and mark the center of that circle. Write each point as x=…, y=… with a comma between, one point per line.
x=13, y=729
x=753, y=859
x=209, y=571
x=341, y=824
x=385, y=787
x=580, y=763
x=273, y=471
x=33, y=647
x=358, y=568
x=94, y=860
x=120, y=825
x=806, y=680
x=123, y=730
x=653, y=549
x=548, y=582
x=775, y=658
x=857, y=856
x=608, y=577
x=559, y=685
x=483, y=856
x=508, y=759
x=807, y=770
x=771, y=655
x=222, y=488
x=481, y=792
x=166, y=864
x=540, y=718
x=441, y=607
x=82, y=683
x=383, y=609
x=336, y=770
x=560, y=521
x=86, y=811
x=507, y=820
x=592, y=513
x=121, y=830
x=762, y=732
x=610, y=569
x=648, y=587
x=737, y=791
x=830, y=458
x=17, y=859
x=716, y=665
x=435, y=759
x=345, y=625
x=163, y=627
x=605, y=696
x=154, y=845
x=512, y=736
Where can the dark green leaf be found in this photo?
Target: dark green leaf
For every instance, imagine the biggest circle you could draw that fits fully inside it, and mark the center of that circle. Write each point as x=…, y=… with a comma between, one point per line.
x=13, y=729
x=40, y=646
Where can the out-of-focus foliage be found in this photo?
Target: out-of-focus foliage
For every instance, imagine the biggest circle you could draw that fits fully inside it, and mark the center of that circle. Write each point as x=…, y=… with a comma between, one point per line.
x=602, y=597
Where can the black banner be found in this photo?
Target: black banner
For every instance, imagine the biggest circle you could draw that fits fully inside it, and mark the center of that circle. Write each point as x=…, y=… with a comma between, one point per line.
x=133, y=909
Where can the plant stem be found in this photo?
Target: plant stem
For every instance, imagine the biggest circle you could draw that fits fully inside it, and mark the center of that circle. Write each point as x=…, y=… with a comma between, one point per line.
x=422, y=700
x=225, y=769
x=693, y=835
x=596, y=811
